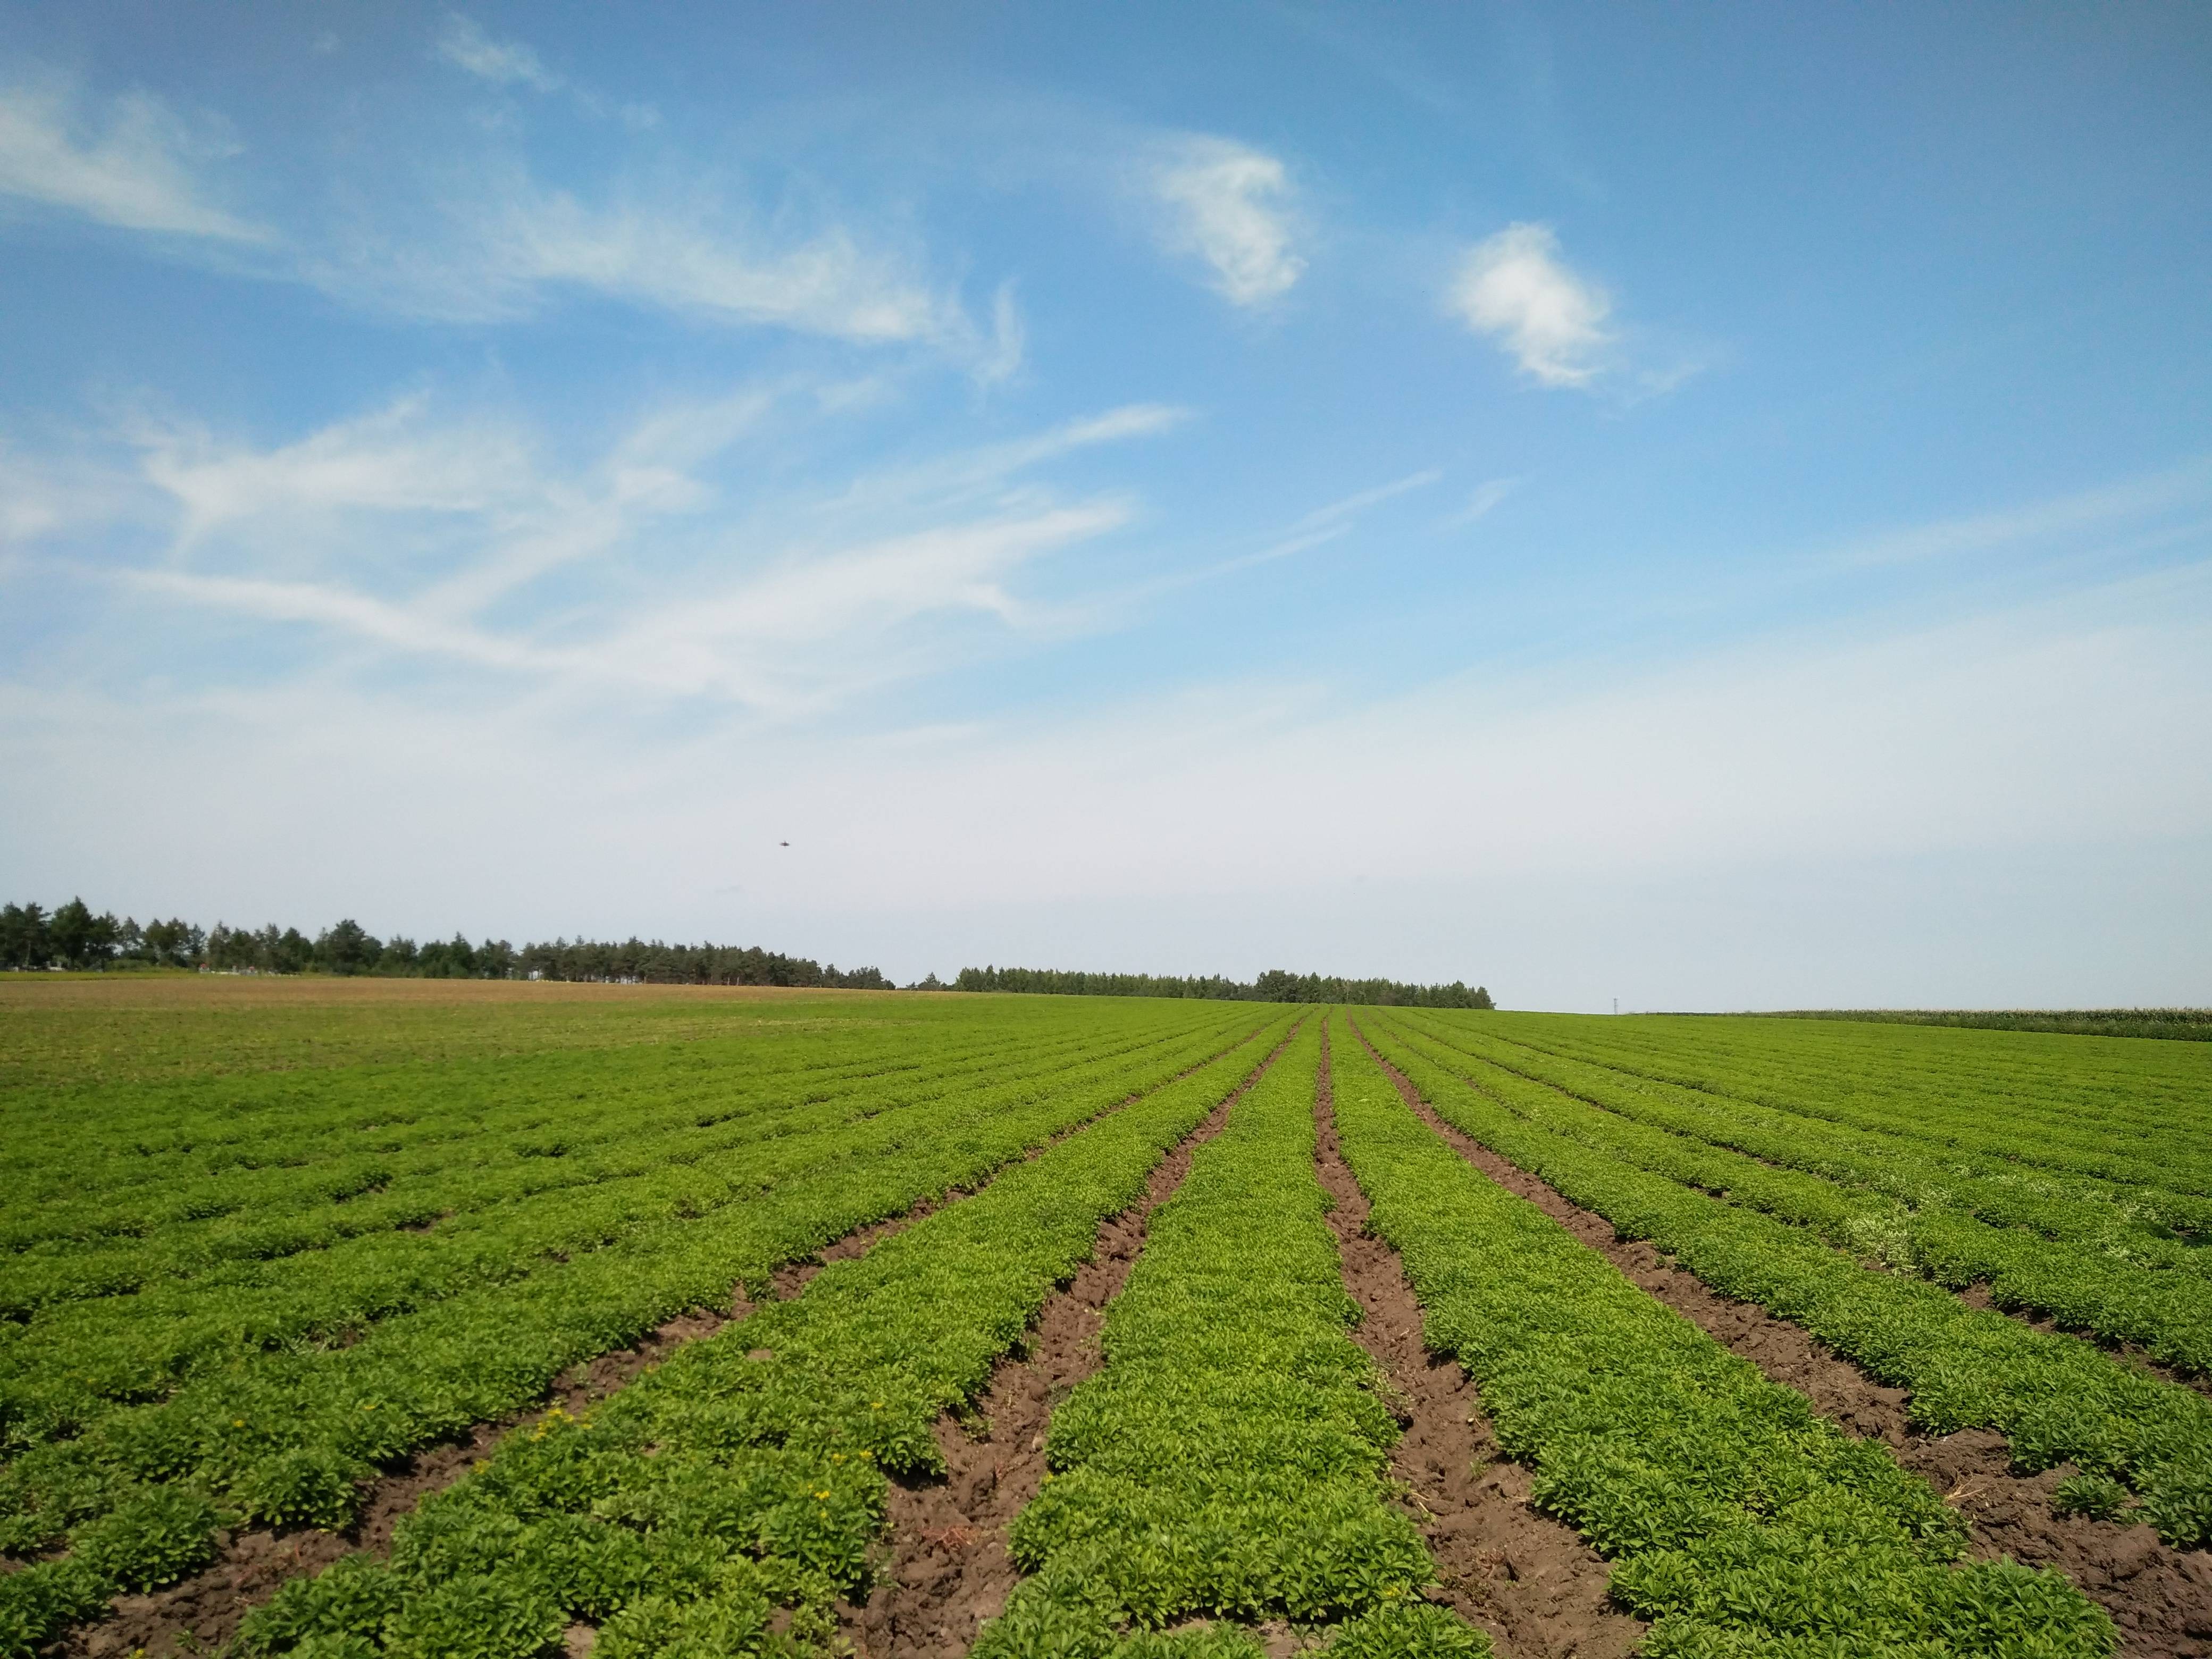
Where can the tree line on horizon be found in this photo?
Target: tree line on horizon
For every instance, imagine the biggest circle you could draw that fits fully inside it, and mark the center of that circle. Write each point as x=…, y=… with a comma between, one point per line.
x=73, y=936
x=1275, y=985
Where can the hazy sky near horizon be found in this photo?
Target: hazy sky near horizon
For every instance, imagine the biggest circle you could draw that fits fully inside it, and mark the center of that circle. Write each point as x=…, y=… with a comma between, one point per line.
x=1708, y=506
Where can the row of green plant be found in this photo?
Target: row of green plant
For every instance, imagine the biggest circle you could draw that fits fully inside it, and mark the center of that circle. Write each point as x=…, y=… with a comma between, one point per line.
x=1738, y=1520
x=2141, y=1222
x=722, y=1502
x=288, y=1436
x=2056, y=1398
x=69, y=1363
x=209, y=1147
x=345, y=1186
x=1230, y=1461
x=2127, y=1112
x=2087, y=1281
x=2187, y=1024
x=2097, y=1081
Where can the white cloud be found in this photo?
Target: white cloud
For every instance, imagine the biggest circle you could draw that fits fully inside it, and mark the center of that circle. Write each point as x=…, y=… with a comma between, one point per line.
x=1228, y=204
x=1002, y=356
x=385, y=462
x=137, y=167
x=491, y=243
x=1483, y=502
x=980, y=474
x=1314, y=529
x=2185, y=486
x=52, y=494
x=811, y=632
x=464, y=43
x=477, y=237
x=1514, y=288
x=828, y=284
x=819, y=628
x=1351, y=506
x=398, y=626
x=419, y=533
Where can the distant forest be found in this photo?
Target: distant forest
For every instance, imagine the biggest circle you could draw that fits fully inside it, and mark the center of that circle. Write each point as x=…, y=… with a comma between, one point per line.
x=2190, y=1024
x=1276, y=985
x=72, y=936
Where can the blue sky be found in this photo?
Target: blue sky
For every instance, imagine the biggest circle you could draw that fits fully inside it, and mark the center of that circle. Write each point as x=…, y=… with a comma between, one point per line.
x=1710, y=507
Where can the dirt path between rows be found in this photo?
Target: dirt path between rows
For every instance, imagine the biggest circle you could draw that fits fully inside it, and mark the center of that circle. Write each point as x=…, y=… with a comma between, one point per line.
x=1528, y=1580
x=2159, y=1597
x=948, y=1569
x=1978, y=1295
x=202, y=1614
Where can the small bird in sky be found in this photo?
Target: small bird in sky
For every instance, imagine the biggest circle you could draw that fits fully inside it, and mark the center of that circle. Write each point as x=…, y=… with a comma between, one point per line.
x=783, y=843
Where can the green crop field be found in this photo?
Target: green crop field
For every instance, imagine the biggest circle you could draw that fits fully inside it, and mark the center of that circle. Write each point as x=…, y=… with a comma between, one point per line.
x=789, y=1323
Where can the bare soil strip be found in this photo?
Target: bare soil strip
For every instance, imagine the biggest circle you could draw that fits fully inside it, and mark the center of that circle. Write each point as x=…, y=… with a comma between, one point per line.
x=2159, y=1597
x=1528, y=1580
x=947, y=1569
x=203, y=1611
x=1976, y=1295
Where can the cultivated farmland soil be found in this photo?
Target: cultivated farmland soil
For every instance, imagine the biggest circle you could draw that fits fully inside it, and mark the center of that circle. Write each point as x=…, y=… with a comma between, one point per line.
x=947, y=1569
x=2159, y=1597
x=204, y=1612
x=1526, y=1578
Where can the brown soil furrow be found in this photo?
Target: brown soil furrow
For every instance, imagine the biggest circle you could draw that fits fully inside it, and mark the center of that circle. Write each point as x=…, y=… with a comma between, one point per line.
x=208, y=1608
x=2159, y=1597
x=948, y=1569
x=1526, y=1578
x=204, y=1611
x=1978, y=1294
x=1975, y=1295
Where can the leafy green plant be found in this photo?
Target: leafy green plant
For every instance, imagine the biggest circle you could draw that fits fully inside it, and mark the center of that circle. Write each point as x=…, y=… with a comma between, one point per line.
x=274, y=1385
x=1738, y=1520
x=2097, y=1496
x=1230, y=1459
x=2056, y=1398
x=721, y=1502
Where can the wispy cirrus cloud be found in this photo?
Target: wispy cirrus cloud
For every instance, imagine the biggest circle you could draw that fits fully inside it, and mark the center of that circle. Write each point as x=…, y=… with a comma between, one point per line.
x=489, y=241
x=463, y=43
x=2132, y=507
x=1484, y=500
x=383, y=462
x=691, y=258
x=1229, y=206
x=480, y=238
x=1517, y=288
x=466, y=45
x=131, y=162
x=413, y=535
